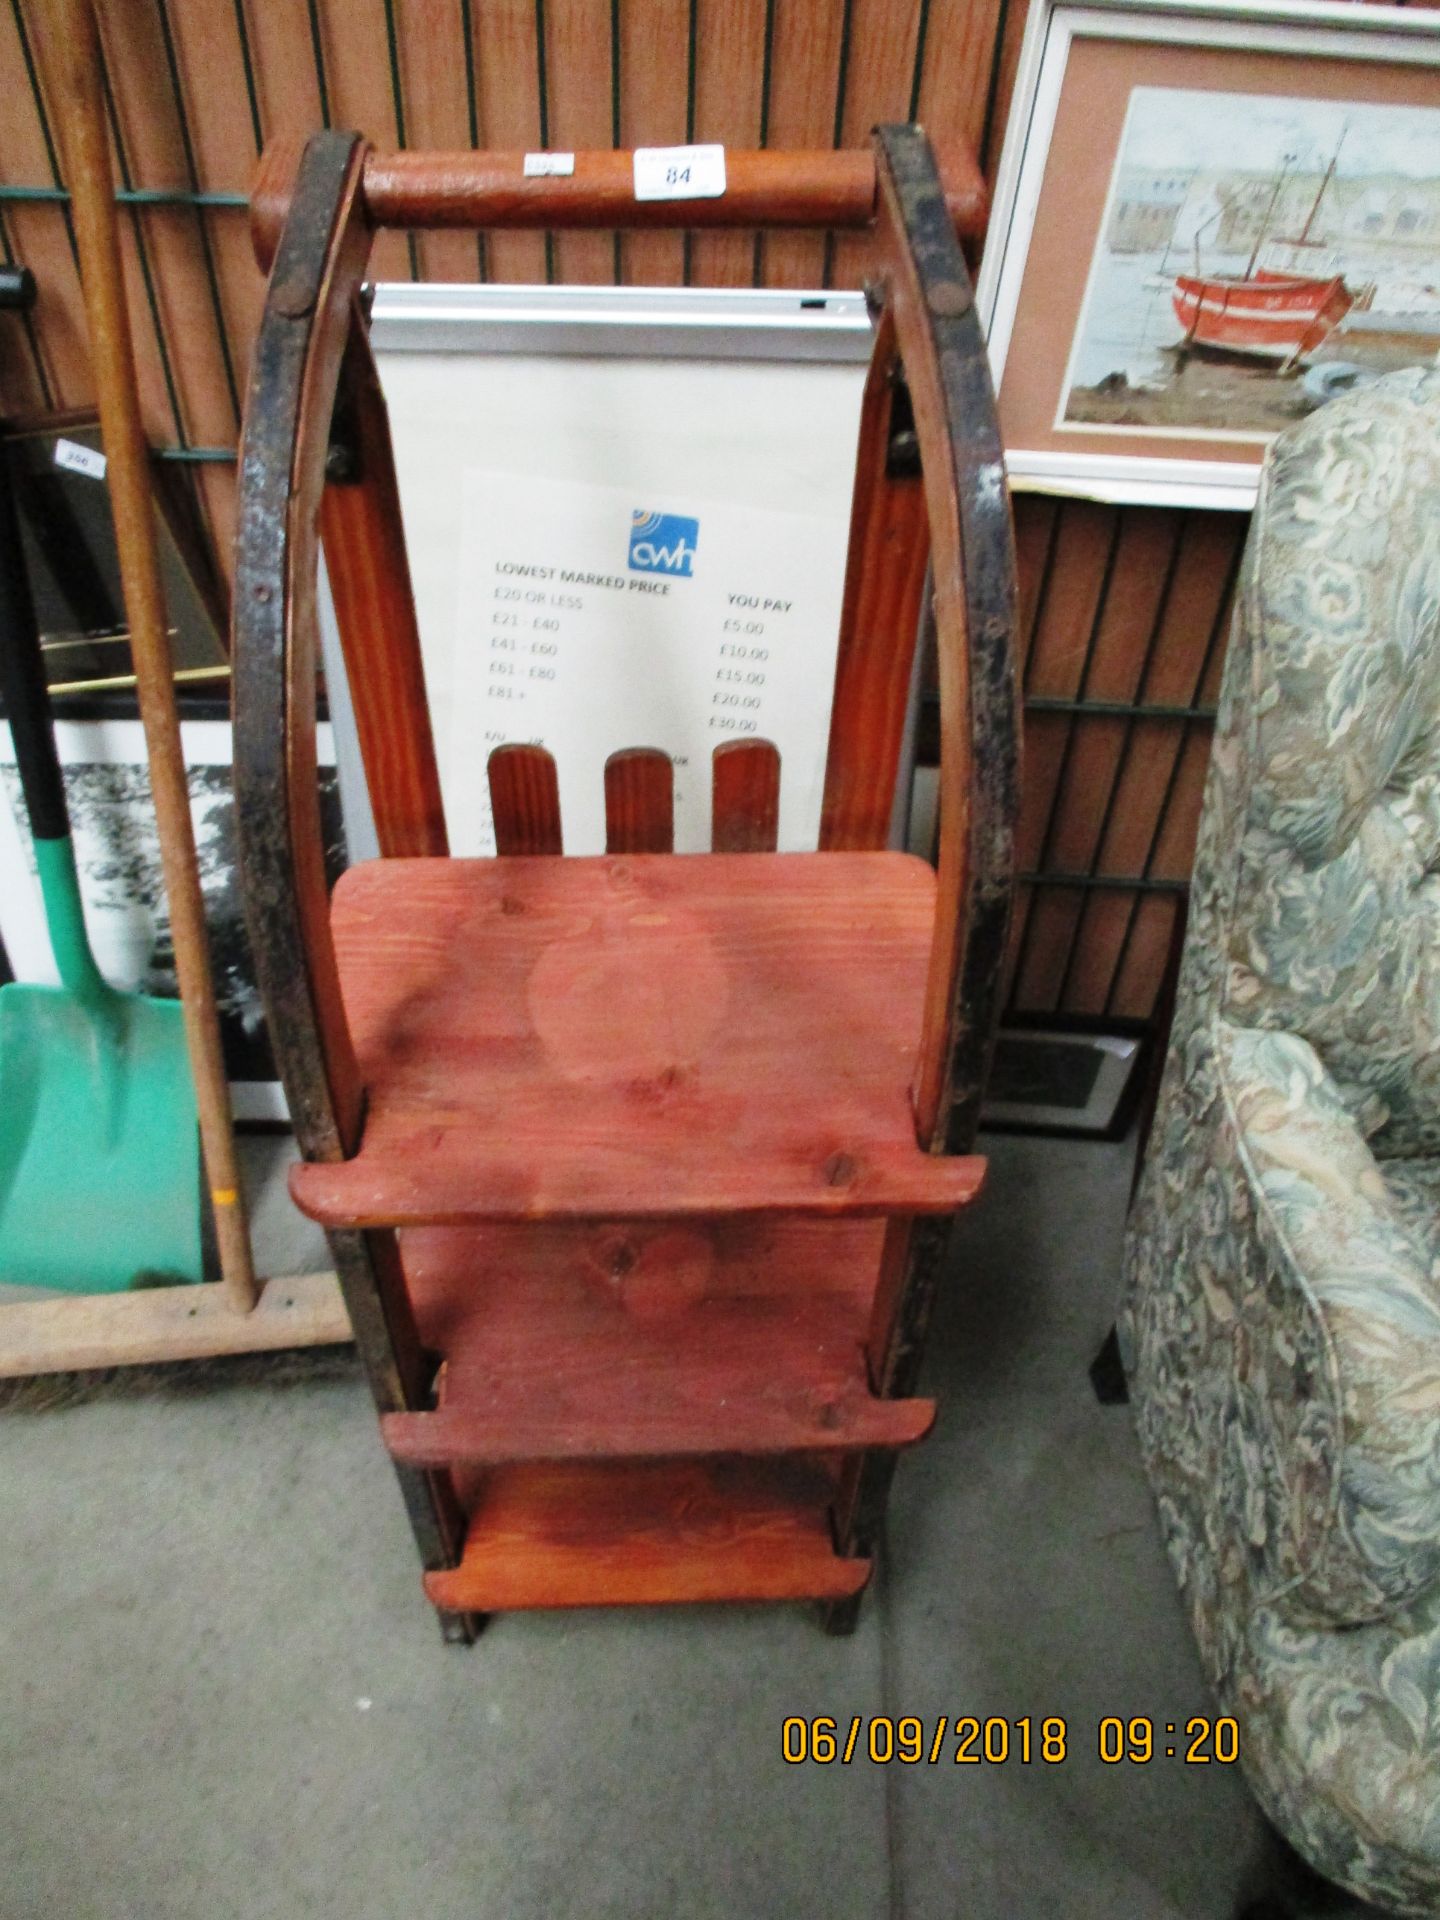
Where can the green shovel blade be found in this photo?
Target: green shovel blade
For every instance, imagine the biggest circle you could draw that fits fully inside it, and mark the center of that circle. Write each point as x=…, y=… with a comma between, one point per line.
x=99, y=1155
x=99, y=1141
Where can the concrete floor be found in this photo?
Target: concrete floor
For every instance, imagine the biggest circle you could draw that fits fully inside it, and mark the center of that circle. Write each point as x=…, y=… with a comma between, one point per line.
x=222, y=1694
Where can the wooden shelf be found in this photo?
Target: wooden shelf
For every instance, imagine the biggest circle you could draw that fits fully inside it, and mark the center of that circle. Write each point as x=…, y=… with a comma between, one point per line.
x=576, y=1344
x=635, y=1037
x=636, y=1145
x=573, y=1355
x=617, y=1535
x=685, y=1425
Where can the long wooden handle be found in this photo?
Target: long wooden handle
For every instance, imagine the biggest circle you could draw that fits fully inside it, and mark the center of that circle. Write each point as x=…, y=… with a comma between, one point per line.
x=825, y=189
x=75, y=68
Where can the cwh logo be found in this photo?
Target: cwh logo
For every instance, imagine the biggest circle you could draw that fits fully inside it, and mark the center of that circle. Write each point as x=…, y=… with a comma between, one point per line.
x=662, y=542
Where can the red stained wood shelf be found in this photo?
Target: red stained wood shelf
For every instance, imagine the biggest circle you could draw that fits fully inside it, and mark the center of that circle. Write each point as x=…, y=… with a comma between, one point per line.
x=628, y=1535
x=677, y=1423
x=635, y=1037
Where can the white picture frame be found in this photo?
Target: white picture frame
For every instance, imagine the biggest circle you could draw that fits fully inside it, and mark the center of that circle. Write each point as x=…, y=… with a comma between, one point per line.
x=1139, y=463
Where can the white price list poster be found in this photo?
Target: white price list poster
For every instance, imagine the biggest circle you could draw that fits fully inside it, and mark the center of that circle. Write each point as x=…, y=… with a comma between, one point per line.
x=589, y=619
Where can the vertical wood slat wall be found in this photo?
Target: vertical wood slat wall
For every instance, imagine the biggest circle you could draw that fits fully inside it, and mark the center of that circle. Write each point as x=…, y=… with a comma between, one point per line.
x=1125, y=613
x=1124, y=610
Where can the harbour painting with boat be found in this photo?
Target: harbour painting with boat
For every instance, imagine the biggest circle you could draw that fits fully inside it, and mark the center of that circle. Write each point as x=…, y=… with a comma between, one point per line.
x=1258, y=255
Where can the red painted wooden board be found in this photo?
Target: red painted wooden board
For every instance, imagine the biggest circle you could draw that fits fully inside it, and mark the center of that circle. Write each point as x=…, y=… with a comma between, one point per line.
x=745, y=797
x=626, y=1535
x=635, y=1037
x=633, y=1342
x=674, y=1424
x=639, y=801
x=477, y=1290
x=525, y=800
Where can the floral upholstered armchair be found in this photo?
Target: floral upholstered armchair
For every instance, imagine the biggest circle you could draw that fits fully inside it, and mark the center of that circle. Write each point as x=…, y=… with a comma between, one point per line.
x=1281, y=1322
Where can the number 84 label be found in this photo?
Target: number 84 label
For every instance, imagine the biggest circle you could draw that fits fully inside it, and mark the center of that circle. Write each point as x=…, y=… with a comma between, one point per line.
x=679, y=173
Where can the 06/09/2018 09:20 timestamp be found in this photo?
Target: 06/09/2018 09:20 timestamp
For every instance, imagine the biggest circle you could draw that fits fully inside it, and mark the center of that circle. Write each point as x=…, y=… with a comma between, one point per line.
x=976, y=1740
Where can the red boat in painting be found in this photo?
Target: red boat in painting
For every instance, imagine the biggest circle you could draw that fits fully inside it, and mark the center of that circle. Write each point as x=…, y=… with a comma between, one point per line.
x=1278, y=316
x=1267, y=312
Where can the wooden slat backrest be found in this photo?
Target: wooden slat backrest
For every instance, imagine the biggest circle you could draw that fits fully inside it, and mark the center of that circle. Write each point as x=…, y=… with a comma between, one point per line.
x=745, y=800
x=639, y=801
x=745, y=797
x=524, y=799
x=885, y=572
x=369, y=572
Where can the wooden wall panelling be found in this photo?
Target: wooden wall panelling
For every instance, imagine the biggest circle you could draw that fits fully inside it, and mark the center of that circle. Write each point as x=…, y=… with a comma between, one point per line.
x=881, y=80
x=732, y=49
x=1168, y=757
x=1171, y=852
x=435, y=89
x=657, y=109
x=467, y=67
x=1037, y=527
x=1141, y=962
x=285, y=79
x=1142, y=550
x=954, y=66
x=1186, y=645
x=191, y=277
x=45, y=233
x=364, y=97
x=1104, y=910
x=217, y=106
x=1067, y=602
x=214, y=110
x=215, y=59
x=44, y=360
x=803, y=104
x=291, y=77
x=1172, y=849
x=580, y=55
x=167, y=282
x=511, y=116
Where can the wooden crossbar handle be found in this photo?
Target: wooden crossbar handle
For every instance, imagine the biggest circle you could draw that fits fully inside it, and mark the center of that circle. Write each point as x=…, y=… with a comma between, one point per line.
x=827, y=189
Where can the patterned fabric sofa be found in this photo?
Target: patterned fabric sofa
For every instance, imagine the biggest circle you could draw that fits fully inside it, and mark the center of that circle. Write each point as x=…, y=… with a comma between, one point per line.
x=1281, y=1319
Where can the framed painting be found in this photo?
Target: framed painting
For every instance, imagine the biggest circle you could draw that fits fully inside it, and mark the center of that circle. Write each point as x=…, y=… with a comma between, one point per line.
x=1210, y=218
